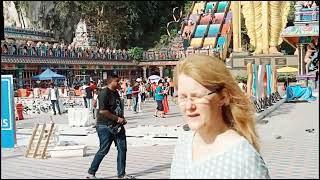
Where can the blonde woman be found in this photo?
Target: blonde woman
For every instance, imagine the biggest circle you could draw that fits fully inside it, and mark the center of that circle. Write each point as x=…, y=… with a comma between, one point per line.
x=222, y=142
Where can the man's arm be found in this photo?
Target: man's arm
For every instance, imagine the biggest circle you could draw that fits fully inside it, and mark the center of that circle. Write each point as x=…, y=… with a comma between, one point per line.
x=107, y=114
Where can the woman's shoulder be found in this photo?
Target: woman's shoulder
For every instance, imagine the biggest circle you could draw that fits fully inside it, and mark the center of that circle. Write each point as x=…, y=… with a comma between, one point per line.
x=249, y=159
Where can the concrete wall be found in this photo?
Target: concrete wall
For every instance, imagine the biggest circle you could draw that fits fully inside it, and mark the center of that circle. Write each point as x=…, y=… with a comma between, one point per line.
x=238, y=64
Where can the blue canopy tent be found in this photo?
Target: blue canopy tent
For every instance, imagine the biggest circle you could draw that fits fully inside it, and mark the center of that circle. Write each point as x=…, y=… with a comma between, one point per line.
x=48, y=75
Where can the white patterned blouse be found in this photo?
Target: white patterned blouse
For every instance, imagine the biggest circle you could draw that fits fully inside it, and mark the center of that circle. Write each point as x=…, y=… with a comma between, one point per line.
x=240, y=161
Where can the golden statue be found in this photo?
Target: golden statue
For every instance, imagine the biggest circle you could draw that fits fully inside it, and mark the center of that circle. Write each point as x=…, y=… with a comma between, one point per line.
x=265, y=20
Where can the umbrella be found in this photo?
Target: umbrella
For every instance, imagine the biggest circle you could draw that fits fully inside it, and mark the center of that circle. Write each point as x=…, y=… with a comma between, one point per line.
x=287, y=70
x=154, y=78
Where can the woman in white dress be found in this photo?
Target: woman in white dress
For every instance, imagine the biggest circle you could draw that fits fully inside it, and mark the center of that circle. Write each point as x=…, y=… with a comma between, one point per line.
x=222, y=142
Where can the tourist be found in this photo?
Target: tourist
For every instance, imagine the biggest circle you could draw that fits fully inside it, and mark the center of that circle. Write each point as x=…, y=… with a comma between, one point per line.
x=108, y=53
x=143, y=91
x=165, y=98
x=114, y=54
x=53, y=96
x=89, y=96
x=129, y=96
x=148, y=90
x=154, y=87
x=171, y=84
x=159, y=96
x=83, y=94
x=95, y=103
x=139, y=101
x=110, y=128
x=222, y=142
x=135, y=92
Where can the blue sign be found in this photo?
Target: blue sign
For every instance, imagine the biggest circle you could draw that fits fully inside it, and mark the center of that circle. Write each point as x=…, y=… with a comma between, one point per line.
x=8, y=130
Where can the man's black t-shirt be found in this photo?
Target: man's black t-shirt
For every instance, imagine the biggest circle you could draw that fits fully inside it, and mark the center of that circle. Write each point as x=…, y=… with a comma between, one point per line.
x=88, y=92
x=109, y=100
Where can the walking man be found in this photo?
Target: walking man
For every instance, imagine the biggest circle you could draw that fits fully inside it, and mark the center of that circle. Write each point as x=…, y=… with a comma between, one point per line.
x=89, y=96
x=54, y=97
x=135, y=93
x=110, y=127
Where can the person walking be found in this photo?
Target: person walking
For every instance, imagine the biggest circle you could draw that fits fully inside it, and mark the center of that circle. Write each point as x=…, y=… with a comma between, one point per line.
x=171, y=84
x=53, y=96
x=148, y=91
x=83, y=94
x=165, y=98
x=159, y=95
x=110, y=128
x=95, y=103
x=135, y=93
x=89, y=96
x=153, y=89
x=143, y=91
x=129, y=96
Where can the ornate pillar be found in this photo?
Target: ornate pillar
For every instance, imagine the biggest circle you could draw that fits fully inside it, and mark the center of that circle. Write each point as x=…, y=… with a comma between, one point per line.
x=130, y=74
x=20, y=75
x=236, y=25
x=301, y=55
x=149, y=71
x=161, y=71
x=144, y=72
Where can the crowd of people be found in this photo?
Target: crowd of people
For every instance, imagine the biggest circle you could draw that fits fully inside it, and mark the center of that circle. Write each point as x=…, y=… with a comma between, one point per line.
x=62, y=50
x=133, y=93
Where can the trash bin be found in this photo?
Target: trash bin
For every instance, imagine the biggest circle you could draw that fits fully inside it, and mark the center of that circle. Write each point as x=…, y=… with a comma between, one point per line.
x=19, y=109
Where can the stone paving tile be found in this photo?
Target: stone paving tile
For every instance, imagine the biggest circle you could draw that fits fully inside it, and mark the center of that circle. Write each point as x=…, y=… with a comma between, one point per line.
x=295, y=155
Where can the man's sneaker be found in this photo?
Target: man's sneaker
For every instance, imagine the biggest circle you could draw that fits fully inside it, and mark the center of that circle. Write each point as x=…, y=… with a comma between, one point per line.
x=91, y=176
x=126, y=177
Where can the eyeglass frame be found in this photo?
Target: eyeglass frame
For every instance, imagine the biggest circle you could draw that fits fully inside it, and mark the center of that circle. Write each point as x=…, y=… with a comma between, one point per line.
x=217, y=89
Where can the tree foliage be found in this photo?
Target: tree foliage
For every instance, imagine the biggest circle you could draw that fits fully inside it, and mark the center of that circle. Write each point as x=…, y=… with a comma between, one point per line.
x=119, y=24
x=136, y=54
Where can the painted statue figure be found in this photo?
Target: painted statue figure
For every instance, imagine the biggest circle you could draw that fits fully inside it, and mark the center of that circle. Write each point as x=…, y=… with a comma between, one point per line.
x=249, y=80
x=274, y=79
x=269, y=79
x=254, y=80
x=269, y=83
x=265, y=20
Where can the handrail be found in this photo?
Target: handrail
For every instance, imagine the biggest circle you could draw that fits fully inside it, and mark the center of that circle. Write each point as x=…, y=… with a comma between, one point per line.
x=49, y=52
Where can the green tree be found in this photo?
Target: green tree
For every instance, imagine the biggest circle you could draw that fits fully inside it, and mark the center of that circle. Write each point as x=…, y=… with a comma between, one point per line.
x=136, y=54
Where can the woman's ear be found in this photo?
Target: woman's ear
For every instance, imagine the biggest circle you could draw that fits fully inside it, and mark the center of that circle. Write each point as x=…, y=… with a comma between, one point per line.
x=225, y=97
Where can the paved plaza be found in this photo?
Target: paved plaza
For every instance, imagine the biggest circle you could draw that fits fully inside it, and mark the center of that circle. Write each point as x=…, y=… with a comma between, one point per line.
x=287, y=148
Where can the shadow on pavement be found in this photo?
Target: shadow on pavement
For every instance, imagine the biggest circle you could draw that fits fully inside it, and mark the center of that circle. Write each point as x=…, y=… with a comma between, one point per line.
x=147, y=171
x=153, y=169
x=10, y=157
x=285, y=108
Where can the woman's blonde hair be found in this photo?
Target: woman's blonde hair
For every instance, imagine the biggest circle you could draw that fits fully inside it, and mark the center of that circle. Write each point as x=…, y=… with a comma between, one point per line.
x=210, y=72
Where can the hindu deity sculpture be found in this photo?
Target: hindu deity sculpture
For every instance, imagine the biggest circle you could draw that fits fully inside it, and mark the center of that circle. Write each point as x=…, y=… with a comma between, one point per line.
x=265, y=20
x=83, y=36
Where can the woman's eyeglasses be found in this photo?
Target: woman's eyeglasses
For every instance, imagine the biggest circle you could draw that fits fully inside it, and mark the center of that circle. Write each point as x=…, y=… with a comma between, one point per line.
x=182, y=100
x=194, y=100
